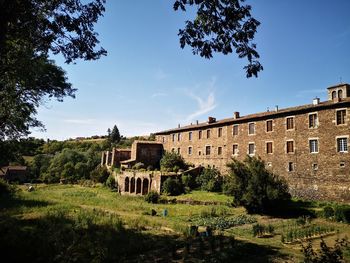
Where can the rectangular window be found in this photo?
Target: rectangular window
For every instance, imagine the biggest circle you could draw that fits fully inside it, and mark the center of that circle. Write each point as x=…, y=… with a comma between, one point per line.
x=251, y=148
x=163, y=139
x=251, y=128
x=219, y=150
x=235, y=130
x=313, y=146
x=290, y=167
x=313, y=122
x=190, y=136
x=190, y=150
x=342, y=145
x=208, y=134
x=269, y=126
x=178, y=151
x=173, y=137
x=199, y=135
x=290, y=123
x=207, y=150
x=235, y=149
x=179, y=136
x=341, y=114
x=219, y=132
x=290, y=146
x=269, y=147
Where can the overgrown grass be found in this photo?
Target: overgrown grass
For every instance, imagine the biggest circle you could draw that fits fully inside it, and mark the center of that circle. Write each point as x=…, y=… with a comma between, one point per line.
x=79, y=223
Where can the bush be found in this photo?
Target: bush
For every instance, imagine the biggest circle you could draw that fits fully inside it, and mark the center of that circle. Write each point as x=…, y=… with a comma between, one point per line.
x=189, y=181
x=172, y=186
x=6, y=189
x=328, y=212
x=138, y=166
x=172, y=161
x=256, y=188
x=99, y=174
x=152, y=197
x=110, y=182
x=342, y=213
x=210, y=180
x=260, y=230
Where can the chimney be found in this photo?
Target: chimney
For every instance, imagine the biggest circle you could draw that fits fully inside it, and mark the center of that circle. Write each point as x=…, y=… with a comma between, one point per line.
x=236, y=115
x=211, y=119
x=197, y=122
x=178, y=125
x=276, y=108
x=316, y=101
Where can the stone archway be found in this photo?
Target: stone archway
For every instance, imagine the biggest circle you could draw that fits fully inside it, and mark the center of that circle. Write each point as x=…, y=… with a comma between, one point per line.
x=126, y=184
x=138, y=186
x=145, y=185
x=132, y=185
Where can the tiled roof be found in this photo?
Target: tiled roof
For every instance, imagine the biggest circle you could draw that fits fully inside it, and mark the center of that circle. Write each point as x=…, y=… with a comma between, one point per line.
x=261, y=115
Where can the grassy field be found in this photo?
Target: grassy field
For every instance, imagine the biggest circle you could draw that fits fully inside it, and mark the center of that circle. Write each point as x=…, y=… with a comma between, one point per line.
x=63, y=223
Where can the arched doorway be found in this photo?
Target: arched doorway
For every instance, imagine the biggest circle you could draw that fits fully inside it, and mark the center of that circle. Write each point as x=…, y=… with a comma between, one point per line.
x=138, y=186
x=132, y=185
x=145, y=184
x=126, y=184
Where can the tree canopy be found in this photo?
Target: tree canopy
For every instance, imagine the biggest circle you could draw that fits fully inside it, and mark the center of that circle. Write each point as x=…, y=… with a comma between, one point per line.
x=221, y=26
x=29, y=31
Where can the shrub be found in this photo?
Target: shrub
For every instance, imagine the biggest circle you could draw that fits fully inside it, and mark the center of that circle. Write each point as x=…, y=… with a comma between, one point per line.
x=172, y=186
x=6, y=189
x=111, y=183
x=256, y=188
x=189, y=181
x=210, y=180
x=328, y=212
x=152, y=197
x=260, y=230
x=342, y=213
x=99, y=174
x=172, y=161
x=138, y=166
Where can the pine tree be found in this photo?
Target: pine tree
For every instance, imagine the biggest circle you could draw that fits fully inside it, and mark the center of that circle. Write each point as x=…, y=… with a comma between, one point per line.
x=114, y=135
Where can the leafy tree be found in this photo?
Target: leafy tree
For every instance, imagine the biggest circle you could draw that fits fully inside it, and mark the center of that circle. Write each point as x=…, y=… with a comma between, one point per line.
x=171, y=161
x=256, y=188
x=222, y=26
x=99, y=174
x=210, y=180
x=114, y=135
x=172, y=186
x=29, y=31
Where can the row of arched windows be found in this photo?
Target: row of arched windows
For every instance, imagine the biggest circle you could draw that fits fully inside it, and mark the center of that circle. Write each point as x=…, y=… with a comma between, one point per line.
x=137, y=186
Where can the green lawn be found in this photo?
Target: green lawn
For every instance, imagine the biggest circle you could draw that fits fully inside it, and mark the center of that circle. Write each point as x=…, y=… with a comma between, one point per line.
x=109, y=225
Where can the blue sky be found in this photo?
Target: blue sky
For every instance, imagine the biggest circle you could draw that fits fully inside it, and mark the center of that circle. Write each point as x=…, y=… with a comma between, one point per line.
x=147, y=83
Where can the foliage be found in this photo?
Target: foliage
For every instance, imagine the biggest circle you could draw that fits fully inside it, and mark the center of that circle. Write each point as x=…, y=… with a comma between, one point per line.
x=303, y=233
x=114, y=135
x=260, y=230
x=29, y=31
x=222, y=222
x=99, y=174
x=6, y=189
x=111, y=183
x=326, y=254
x=189, y=181
x=328, y=212
x=223, y=27
x=172, y=186
x=342, y=213
x=172, y=161
x=152, y=197
x=138, y=166
x=210, y=180
x=256, y=188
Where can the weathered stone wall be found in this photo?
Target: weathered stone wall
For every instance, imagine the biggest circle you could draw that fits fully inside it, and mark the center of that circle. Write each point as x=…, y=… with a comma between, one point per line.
x=149, y=153
x=322, y=175
x=138, y=183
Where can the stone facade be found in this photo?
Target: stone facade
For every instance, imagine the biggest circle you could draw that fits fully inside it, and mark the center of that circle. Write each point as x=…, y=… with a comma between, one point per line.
x=308, y=145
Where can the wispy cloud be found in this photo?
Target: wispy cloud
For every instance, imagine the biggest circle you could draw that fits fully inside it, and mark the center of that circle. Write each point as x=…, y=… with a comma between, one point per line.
x=160, y=74
x=158, y=94
x=205, y=105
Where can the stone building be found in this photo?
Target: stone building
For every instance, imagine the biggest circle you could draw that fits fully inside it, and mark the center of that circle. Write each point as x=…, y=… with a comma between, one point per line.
x=307, y=145
x=14, y=173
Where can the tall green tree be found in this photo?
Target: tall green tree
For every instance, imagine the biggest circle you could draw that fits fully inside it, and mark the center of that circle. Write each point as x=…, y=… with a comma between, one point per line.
x=222, y=26
x=114, y=136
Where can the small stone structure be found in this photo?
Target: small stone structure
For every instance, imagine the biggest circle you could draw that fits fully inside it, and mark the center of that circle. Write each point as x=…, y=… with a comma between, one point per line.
x=14, y=173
